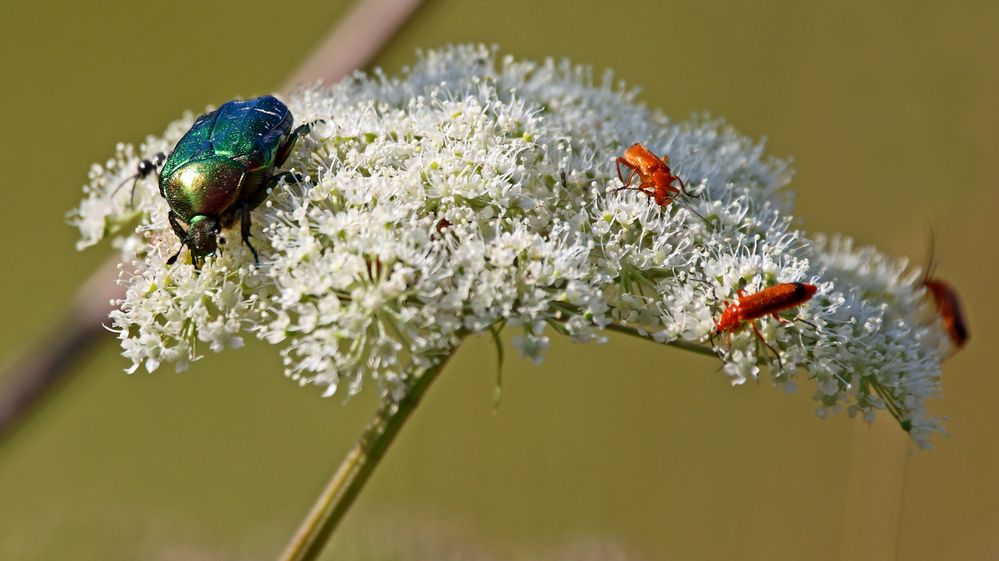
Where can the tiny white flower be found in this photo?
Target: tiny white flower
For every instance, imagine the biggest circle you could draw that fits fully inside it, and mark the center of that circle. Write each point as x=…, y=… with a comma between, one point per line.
x=475, y=192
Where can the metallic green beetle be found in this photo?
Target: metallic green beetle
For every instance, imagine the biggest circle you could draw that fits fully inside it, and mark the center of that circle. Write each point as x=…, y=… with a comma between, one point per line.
x=222, y=169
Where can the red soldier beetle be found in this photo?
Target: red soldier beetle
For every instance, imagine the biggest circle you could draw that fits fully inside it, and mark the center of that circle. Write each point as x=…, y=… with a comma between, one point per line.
x=949, y=308
x=767, y=302
x=654, y=173
x=947, y=303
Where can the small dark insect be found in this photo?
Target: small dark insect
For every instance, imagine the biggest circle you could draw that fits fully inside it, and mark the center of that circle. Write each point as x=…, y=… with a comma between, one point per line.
x=656, y=179
x=143, y=170
x=767, y=302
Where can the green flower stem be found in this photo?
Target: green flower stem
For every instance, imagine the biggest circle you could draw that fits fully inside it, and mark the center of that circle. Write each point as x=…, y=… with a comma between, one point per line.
x=635, y=332
x=362, y=459
x=356, y=468
x=685, y=345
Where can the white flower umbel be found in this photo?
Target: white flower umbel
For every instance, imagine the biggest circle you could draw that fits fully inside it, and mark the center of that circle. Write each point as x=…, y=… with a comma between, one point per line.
x=477, y=191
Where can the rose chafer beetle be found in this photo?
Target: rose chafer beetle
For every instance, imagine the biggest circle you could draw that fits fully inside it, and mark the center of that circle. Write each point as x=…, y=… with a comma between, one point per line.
x=223, y=168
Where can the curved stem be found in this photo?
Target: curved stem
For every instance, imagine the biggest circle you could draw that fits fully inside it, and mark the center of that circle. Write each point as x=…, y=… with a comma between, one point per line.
x=356, y=468
x=334, y=501
x=685, y=345
x=635, y=332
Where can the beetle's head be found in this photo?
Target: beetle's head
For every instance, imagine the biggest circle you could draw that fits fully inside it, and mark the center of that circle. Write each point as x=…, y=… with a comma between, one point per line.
x=202, y=236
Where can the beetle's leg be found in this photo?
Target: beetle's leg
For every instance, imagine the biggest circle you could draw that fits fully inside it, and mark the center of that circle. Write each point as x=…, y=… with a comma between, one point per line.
x=285, y=150
x=683, y=187
x=265, y=188
x=181, y=234
x=173, y=258
x=719, y=354
x=759, y=336
x=288, y=176
x=808, y=323
x=177, y=227
x=244, y=230
x=633, y=170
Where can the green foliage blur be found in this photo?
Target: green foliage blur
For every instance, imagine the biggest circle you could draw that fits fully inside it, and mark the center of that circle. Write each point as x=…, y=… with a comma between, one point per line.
x=620, y=451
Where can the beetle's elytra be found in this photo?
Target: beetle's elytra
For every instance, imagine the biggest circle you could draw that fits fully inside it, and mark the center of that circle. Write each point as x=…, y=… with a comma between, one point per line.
x=223, y=168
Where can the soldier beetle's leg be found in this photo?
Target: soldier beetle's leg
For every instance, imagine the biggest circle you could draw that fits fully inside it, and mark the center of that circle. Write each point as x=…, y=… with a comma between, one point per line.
x=714, y=347
x=671, y=194
x=683, y=187
x=808, y=323
x=759, y=336
x=627, y=183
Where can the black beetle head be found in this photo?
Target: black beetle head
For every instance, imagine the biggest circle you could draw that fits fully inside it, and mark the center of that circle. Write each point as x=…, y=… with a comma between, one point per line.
x=202, y=236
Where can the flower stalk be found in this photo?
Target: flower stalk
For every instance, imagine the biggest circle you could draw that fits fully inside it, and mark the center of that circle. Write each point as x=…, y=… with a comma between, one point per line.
x=356, y=468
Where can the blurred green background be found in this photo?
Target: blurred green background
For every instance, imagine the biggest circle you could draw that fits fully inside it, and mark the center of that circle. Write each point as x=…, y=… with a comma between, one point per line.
x=622, y=451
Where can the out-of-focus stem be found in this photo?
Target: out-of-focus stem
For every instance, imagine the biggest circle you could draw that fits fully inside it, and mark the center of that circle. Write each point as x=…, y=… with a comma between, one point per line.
x=30, y=377
x=357, y=38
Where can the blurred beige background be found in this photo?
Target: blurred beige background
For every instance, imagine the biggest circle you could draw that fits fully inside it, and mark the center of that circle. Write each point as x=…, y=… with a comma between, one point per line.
x=622, y=451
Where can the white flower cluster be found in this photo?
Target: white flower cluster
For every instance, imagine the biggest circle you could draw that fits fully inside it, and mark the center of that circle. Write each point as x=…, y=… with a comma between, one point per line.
x=476, y=192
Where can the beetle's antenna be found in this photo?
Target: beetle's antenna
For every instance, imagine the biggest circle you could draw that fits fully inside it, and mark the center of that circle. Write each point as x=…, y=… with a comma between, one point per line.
x=173, y=259
x=134, y=179
x=930, y=265
x=690, y=208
